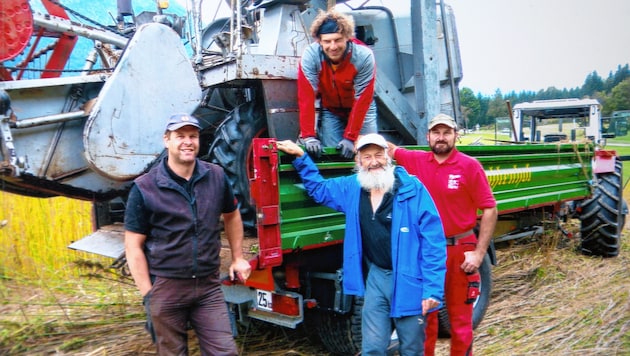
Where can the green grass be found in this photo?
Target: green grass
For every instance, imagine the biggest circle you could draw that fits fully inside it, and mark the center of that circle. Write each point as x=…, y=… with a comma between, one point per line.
x=622, y=151
x=621, y=139
x=482, y=137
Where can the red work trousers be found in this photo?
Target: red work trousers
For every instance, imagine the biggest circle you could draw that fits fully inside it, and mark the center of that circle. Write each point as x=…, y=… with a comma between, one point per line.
x=459, y=313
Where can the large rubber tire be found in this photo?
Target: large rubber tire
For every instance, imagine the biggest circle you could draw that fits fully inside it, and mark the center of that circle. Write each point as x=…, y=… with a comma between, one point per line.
x=340, y=334
x=602, y=216
x=480, y=305
x=231, y=149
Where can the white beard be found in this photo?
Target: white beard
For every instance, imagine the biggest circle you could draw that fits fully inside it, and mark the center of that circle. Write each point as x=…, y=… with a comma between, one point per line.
x=379, y=180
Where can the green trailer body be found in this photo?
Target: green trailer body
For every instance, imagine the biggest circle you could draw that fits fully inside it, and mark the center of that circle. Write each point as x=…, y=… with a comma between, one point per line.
x=300, y=242
x=522, y=177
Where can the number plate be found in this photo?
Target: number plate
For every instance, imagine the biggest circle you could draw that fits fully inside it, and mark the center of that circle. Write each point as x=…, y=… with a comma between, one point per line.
x=264, y=300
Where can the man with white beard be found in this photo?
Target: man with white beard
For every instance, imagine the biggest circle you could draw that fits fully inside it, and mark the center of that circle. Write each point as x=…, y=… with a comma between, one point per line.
x=394, y=244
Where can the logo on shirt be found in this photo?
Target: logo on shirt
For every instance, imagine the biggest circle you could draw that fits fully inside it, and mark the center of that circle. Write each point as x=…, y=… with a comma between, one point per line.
x=453, y=181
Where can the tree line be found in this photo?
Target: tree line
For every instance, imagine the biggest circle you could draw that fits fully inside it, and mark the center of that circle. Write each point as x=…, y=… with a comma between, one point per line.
x=613, y=93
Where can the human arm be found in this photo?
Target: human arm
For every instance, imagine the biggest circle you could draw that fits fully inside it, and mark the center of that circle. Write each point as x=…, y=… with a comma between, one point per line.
x=433, y=252
x=329, y=192
x=346, y=147
x=474, y=259
x=136, y=227
x=391, y=150
x=307, y=86
x=233, y=227
x=429, y=304
x=290, y=147
x=313, y=146
x=483, y=198
x=137, y=261
x=364, y=82
x=410, y=159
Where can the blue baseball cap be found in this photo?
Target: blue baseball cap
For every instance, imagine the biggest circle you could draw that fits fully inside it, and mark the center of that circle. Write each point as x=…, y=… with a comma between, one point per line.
x=178, y=121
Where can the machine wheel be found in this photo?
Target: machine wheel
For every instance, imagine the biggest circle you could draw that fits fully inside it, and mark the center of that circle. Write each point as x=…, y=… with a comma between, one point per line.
x=231, y=149
x=341, y=334
x=479, y=307
x=602, y=216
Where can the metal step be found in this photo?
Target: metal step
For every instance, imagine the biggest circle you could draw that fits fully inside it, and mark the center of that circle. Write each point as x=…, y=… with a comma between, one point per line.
x=107, y=241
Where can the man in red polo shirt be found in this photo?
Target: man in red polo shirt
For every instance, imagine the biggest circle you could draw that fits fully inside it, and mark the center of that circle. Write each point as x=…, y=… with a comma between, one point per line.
x=459, y=187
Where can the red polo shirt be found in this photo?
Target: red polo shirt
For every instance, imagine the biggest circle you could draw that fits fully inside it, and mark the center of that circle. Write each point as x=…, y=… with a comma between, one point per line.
x=458, y=186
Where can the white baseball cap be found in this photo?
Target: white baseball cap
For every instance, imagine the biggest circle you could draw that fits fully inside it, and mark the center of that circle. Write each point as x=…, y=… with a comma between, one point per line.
x=371, y=139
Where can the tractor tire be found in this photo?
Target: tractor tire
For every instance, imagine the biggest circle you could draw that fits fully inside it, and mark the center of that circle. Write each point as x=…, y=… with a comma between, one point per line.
x=340, y=334
x=479, y=306
x=602, y=216
x=232, y=150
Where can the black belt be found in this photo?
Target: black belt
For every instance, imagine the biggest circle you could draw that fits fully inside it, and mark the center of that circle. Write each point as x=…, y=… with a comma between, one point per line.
x=452, y=240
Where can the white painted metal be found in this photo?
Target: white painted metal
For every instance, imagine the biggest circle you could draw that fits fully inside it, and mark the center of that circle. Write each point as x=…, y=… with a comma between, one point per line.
x=153, y=80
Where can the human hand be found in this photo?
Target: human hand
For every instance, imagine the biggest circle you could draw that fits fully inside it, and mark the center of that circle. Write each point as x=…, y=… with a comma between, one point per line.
x=313, y=146
x=472, y=261
x=428, y=304
x=240, y=269
x=347, y=148
x=391, y=149
x=290, y=147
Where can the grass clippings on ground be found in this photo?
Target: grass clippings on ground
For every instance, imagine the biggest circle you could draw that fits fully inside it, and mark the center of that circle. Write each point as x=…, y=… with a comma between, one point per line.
x=557, y=302
x=545, y=300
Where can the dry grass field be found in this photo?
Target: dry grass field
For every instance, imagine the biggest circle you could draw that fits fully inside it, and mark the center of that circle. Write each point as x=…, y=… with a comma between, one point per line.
x=547, y=299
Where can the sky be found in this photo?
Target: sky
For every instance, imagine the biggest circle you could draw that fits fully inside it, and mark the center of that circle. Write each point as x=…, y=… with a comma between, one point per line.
x=515, y=45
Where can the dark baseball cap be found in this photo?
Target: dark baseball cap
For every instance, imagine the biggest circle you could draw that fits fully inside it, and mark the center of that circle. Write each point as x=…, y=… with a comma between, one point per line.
x=178, y=121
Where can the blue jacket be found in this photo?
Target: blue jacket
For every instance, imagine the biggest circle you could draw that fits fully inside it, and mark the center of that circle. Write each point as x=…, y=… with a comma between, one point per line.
x=418, y=243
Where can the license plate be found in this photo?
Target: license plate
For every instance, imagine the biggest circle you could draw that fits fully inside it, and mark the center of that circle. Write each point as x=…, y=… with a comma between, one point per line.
x=264, y=300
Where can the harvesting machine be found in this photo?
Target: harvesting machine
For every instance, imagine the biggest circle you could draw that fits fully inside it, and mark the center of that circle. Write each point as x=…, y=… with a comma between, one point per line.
x=84, y=97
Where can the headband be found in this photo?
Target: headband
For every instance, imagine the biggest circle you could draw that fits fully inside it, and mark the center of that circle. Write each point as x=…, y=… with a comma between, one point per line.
x=328, y=26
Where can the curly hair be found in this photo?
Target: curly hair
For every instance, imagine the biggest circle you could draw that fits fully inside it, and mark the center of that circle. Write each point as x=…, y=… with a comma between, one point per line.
x=344, y=22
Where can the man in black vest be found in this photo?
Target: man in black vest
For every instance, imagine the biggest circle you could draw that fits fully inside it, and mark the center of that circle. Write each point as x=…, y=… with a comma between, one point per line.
x=172, y=244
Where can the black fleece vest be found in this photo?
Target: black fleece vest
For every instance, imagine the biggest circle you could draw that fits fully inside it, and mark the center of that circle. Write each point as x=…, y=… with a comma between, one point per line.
x=184, y=239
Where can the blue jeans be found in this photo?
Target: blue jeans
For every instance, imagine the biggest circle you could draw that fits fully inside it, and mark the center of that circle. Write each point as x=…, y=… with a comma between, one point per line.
x=333, y=126
x=376, y=324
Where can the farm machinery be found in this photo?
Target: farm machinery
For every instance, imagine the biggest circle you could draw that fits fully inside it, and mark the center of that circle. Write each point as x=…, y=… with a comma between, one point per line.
x=84, y=98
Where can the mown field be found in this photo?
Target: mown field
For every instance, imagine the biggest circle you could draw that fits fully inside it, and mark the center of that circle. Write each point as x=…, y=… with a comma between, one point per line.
x=547, y=298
